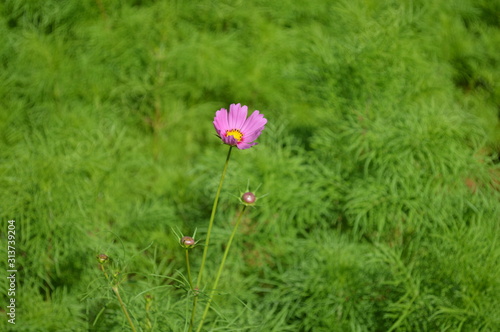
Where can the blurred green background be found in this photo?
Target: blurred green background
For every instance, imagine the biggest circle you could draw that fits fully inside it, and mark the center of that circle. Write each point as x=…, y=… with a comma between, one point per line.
x=380, y=161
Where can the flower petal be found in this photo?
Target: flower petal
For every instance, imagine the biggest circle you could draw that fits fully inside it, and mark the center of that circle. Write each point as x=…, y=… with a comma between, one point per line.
x=230, y=140
x=221, y=121
x=237, y=116
x=254, y=122
x=252, y=136
x=243, y=145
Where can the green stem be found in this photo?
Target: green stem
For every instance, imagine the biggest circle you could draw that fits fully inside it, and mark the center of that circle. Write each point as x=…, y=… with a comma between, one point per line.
x=209, y=231
x=189, y=270
x=221, y=267
x=115, y=290
x=212, y=217
x=117, y=293
x=191, y=321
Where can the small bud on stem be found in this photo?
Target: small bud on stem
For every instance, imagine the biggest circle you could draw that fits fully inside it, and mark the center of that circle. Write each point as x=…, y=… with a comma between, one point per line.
x=187, y=242
x=248, y=198
x=102, y=258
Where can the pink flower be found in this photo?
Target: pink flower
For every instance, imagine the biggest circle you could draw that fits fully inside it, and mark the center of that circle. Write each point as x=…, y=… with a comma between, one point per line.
x=235, y=129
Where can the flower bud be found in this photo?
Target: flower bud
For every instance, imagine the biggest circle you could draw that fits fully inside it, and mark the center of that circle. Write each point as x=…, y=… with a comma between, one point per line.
x=187, y=242
x=102, y=258
x=248, y=198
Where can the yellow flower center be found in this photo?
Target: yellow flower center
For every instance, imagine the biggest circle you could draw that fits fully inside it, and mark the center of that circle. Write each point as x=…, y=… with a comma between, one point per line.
x=235, y=133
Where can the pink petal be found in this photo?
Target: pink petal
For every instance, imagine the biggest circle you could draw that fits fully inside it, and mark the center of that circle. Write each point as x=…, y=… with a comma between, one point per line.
x=237, y=116
x=230, y=140
x=252, y=136
x=254, y=122
x=243, y=145
x=221, y=121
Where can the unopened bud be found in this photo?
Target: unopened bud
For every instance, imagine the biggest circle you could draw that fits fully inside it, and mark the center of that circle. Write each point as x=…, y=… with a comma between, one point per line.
x=187, y=242
x=102, y=258
x=248, y=198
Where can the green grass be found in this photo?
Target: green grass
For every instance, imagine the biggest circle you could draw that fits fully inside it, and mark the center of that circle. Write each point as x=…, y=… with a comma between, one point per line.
x=379, y=161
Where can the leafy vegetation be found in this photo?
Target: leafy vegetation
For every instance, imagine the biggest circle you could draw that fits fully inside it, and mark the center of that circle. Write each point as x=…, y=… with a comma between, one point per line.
x=379, y=161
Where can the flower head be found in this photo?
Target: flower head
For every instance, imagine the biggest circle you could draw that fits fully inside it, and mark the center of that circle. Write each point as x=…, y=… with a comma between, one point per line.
x=235, y=129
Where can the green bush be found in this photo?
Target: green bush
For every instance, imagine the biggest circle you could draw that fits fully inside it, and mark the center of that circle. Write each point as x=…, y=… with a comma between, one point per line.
x=377, y=173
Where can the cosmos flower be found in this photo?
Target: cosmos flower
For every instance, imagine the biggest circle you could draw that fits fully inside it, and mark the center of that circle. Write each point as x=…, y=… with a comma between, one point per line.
x=235, y=129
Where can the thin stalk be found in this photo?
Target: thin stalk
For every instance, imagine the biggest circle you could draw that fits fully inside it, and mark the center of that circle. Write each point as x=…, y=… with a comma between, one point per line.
x=122, y=305
x=212, y=217
x=149, y=325
x=191, y=321
x=117, y=293
x=189, y=269
x=221, y=267
x=209, y=231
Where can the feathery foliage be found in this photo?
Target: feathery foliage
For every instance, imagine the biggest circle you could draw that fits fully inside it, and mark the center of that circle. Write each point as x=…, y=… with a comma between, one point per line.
x=380, y=162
